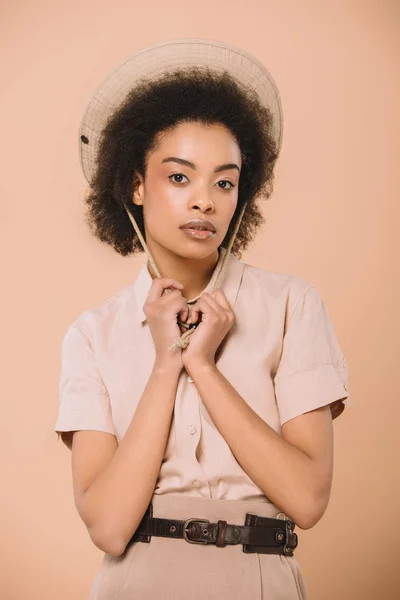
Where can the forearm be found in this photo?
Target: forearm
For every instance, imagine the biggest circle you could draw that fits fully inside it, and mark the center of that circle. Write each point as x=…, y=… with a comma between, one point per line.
x=118, y=498
x=286, y=475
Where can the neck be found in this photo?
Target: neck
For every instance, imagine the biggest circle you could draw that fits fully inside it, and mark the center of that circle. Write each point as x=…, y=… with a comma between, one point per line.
x=193, y=273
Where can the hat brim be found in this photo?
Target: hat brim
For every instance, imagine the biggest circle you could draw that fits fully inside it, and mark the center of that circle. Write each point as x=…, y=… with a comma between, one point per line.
x=151, y=62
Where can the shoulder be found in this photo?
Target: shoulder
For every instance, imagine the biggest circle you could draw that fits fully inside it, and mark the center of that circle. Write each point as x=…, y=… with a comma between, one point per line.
x=278, y=286
x=94, y=321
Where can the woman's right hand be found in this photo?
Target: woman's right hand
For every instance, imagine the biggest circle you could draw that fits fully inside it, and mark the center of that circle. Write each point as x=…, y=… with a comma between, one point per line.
x=164, y=305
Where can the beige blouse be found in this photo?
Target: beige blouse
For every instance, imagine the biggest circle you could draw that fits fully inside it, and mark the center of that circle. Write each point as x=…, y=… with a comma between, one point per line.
x=281, y=355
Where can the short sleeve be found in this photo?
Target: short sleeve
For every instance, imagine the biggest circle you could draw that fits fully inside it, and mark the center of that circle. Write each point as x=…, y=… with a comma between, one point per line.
x=312, y=371
x=83, y=398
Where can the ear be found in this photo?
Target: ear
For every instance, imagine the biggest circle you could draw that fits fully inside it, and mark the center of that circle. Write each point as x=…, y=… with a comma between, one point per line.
x=137, y=189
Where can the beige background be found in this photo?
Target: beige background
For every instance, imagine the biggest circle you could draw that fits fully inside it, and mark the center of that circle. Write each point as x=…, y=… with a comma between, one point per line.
x=333, y=220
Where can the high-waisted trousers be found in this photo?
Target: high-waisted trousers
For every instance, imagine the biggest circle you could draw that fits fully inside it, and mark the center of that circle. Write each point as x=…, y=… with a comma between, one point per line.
x=173, y=569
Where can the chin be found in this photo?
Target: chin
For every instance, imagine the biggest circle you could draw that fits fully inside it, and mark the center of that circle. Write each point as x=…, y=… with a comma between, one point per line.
x=190, y=249
x=199, y=253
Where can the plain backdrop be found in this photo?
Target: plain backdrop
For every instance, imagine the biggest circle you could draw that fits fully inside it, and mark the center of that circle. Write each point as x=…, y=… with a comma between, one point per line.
x=333, y=220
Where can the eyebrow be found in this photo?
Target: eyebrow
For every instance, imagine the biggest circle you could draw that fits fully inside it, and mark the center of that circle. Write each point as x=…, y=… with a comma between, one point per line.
x=187, y=163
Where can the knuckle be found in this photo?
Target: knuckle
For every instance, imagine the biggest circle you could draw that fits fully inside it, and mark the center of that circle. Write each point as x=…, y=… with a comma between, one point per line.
x=171, y=293
x=147, y=309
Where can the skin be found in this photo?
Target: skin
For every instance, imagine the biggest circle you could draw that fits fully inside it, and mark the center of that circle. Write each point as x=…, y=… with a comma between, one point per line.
x=172, y=194
x=113, y=483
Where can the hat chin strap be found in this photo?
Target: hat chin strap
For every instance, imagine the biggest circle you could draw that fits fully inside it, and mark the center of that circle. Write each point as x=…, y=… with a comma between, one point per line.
x=184, y=340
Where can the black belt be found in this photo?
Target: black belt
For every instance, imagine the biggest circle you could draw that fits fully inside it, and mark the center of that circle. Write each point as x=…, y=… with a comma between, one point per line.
x=264, y=535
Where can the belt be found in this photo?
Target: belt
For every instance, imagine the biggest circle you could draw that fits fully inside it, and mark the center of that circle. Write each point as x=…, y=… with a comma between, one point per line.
x=264, y=535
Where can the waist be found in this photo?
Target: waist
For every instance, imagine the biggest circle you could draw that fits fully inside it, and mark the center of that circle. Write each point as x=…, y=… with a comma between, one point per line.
x=176, y=506
x=259, y=526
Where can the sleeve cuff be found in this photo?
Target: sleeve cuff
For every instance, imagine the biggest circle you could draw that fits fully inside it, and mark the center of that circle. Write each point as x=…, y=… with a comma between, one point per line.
x=72, y=417
x=307, y=390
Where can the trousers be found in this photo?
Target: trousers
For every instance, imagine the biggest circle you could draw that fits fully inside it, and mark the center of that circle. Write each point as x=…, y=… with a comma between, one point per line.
x=173, y=569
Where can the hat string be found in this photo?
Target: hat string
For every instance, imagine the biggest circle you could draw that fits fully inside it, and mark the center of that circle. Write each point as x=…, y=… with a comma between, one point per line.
x=184, y=340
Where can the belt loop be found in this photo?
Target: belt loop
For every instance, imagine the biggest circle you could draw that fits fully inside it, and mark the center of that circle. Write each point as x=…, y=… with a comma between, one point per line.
x=149, y=513
x=221, y=528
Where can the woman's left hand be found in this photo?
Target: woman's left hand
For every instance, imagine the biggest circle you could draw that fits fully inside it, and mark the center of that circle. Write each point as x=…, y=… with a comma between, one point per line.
x=217, y=318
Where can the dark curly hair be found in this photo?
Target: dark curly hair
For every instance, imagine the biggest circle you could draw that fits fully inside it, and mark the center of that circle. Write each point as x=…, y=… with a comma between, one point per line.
x=155, y=106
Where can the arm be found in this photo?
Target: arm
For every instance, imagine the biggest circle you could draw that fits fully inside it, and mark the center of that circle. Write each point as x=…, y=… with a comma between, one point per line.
x=294, y=469
x=113, y=484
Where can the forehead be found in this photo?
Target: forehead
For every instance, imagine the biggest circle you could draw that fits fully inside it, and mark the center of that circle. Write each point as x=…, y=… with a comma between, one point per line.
x=198, y=138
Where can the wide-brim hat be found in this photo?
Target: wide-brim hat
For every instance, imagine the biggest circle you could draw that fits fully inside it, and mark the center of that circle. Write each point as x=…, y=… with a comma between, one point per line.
x=152, y=61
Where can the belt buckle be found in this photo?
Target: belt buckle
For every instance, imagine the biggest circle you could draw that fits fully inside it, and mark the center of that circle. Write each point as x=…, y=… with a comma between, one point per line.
x=185, y=526
x=291, y=539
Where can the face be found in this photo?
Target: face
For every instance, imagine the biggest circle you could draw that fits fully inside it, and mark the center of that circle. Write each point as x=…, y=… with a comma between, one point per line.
x=175, y=192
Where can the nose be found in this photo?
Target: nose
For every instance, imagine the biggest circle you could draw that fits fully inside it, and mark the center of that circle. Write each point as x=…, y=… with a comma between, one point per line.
x=204, y=203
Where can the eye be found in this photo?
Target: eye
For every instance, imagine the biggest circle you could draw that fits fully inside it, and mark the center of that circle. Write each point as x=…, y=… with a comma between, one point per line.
x=227, y=181
x=177, y=175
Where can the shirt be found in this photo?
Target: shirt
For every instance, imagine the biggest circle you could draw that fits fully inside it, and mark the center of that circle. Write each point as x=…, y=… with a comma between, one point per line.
x=281, y=355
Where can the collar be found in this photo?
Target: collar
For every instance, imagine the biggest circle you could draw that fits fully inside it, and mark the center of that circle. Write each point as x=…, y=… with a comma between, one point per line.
x=230, y=282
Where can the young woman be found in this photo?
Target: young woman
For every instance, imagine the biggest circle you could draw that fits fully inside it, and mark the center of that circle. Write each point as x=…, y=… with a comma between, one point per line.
x=198, y=401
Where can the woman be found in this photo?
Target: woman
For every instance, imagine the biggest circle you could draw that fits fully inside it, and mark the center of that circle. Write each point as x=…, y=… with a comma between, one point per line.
x=198, y=401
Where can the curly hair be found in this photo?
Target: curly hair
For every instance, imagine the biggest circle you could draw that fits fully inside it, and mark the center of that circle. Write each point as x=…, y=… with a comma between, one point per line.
x=154, y=107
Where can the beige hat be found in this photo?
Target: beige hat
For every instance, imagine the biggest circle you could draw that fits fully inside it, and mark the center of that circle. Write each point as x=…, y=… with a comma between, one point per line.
x=151, y=62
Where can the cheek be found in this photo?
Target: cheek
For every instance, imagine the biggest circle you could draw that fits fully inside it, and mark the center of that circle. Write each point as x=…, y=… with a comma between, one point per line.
x=161, y=213
x=162, y=197
x=231, y=208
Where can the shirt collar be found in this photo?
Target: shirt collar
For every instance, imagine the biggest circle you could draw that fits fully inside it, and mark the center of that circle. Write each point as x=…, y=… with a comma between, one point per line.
x=230, y=282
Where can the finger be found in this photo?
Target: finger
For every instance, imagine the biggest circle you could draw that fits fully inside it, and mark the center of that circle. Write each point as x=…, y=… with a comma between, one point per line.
x=203, y=306
x=213, y=302
x=160, y=284
x=213, y=305
x=221, y=298
x=174, y=302
x=184, y=312
x=178, y=303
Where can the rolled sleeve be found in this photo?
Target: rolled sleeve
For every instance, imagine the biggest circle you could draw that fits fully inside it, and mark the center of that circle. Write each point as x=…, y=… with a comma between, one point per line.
x=83, y=398
x=312, y=371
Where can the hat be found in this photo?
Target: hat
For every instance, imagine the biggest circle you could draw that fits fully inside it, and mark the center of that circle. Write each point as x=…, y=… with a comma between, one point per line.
x=150, y=62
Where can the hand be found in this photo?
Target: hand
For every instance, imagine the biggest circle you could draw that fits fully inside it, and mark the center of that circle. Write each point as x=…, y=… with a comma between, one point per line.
x=164, y=305
x=217, y=318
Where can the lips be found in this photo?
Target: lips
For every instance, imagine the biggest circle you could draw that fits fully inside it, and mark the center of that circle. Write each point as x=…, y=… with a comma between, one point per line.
x=198, y=224
x=198, y=234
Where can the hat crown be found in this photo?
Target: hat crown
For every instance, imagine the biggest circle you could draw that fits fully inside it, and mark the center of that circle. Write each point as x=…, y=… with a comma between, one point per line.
x=154, y=60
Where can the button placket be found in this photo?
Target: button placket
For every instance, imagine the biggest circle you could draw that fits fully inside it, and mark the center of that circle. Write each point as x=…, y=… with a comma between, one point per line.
x=187, y=418
x=188, y=431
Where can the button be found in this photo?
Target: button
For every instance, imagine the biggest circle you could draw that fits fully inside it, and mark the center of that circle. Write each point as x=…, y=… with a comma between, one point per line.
x=190, y=380
x=192, y=430
x=196, y=483
x=345, y=386
x=281, y=515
